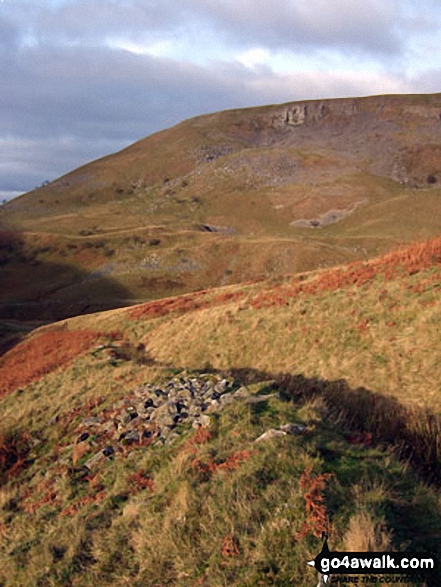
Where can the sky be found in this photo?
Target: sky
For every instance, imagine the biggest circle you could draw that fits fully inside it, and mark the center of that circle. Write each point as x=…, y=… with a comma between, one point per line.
x=80, y=79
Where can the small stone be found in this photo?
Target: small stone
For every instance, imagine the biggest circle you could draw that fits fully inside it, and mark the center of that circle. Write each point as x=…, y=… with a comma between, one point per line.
x=134, y=423
x=83, y=437
x=132, y=436
x=293, y=428
x=213, y=407
x=90, y=421
x=215, y=395
x=108, y=451
x=271, y=433
x=205, y=421
x=221, y=386
x=95, y=461
x=241, y=392
x=149, y=403
x=108, y=426
x=124, y=417
x=227, y=398
x=180, y=406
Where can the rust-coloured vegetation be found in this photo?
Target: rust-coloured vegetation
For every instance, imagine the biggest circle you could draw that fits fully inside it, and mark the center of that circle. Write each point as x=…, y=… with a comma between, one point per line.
x=48, y=497
x=201, y=436
x=206, y=469
x=316, y=515
x=407, y=260
x=95, y=493
x=140, y=481
x=183, y=304
x=87, y=499
x=230, y=546
x=40, y=355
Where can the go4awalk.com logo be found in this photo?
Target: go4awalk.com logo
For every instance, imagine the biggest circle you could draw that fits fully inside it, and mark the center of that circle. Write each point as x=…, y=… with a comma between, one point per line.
x=376, y=567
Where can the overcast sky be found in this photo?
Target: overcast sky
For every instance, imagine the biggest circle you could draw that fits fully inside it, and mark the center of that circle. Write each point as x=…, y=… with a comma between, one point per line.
x=80, y=79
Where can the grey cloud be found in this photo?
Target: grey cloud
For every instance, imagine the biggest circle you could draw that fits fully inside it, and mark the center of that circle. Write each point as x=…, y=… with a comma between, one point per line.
x=364, y=25
x=26, y=163
x=367, y=25
x=63, y=107
x=427, y=81
x=82, y=20
x=9, y=33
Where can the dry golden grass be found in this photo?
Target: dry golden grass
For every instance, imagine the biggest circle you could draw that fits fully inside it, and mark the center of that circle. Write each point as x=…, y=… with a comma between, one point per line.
x=216, y=505
x=364, y=534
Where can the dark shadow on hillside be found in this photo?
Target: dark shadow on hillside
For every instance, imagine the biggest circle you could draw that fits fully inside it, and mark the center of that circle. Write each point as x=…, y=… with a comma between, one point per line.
x=413, y=436
x=34, y=291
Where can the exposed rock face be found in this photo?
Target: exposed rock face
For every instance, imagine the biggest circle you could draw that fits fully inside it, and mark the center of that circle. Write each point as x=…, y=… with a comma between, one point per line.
x=298, y=114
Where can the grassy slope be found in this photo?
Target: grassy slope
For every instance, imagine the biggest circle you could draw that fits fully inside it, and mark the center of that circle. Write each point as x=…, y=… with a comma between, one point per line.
x=88, y=234
x=246, y=523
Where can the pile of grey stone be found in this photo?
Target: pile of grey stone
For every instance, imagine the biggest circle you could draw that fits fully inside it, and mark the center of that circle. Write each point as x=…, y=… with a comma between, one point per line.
x=155, y=415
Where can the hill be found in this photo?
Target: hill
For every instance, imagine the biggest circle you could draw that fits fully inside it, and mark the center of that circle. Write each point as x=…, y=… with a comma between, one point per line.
x=209, y=439
x=225, y=198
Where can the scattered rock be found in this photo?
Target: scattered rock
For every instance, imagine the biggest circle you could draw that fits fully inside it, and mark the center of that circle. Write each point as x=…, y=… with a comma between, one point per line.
x=95, y=461
x=152, y=415
x=90, y=421
x=205, y=421
x=83, y=437
x=293, y=428
x=271, y=433
x=226, y=399
x=241, y=392
x=132, y=436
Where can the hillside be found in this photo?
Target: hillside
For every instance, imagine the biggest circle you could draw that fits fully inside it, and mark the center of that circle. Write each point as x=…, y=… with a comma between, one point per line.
x=225, y=198
x=131, y=440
